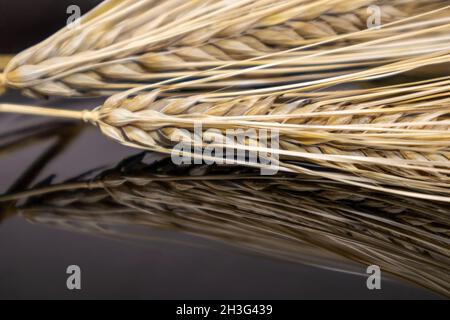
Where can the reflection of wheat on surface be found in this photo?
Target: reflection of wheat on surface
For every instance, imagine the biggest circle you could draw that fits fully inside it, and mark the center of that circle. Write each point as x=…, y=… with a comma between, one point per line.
x=261, y=64
x=285, y=216
x=127, y=43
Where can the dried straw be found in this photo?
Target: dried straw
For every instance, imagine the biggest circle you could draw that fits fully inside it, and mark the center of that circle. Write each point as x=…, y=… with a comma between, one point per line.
x=124, y=44
x=304, y=220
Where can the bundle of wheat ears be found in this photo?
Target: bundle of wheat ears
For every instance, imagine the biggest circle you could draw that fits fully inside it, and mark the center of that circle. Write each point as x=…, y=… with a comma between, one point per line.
x=312, y=221
x=260, y=64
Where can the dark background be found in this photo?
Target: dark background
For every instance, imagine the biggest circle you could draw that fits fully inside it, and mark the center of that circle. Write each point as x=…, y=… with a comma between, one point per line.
x=26, y=22
x=33, y=258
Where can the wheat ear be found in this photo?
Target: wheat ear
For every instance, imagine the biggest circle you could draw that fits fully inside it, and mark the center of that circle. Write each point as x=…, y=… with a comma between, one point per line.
x=125, y=44
x=393, y=139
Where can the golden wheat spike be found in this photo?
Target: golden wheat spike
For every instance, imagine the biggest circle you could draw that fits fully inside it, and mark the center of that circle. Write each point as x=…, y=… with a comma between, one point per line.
x=394, y=139
x=123, y=44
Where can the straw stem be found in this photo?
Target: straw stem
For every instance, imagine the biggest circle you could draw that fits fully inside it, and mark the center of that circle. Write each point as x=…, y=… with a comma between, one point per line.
x=2, y=83
x=4, y=60
x=85, y=115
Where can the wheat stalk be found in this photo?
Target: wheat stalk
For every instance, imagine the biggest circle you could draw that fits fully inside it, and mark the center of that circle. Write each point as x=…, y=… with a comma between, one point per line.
x=305, y=220
x=125, y=44
x=393, y=139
